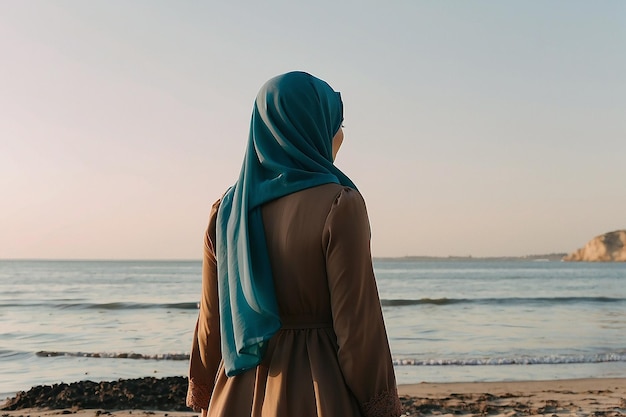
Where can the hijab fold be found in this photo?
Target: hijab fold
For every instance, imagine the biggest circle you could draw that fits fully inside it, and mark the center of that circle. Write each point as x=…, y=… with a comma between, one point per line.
x=294, y=120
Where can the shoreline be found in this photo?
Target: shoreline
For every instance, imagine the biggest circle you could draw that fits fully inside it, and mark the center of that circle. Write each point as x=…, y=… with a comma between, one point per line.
x=569, y=397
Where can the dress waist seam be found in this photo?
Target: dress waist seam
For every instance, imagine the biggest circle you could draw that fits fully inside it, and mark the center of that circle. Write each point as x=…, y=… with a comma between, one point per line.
x=297, y=326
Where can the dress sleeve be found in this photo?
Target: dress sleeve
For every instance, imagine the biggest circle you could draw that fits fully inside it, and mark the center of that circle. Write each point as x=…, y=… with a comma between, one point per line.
x=363, y=349
x=205, y=349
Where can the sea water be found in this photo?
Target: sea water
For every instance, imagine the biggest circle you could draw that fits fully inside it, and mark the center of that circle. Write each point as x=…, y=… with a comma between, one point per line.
x=474, y=320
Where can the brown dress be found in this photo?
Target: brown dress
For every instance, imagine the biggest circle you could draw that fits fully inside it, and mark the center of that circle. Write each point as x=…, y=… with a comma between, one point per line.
x=331, y=356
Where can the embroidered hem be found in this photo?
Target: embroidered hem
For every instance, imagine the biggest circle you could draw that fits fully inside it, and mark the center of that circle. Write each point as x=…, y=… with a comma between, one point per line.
x=198, y=395
x=385, y=404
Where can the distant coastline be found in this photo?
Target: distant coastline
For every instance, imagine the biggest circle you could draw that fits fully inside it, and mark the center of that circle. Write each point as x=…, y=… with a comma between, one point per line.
x=544, y=257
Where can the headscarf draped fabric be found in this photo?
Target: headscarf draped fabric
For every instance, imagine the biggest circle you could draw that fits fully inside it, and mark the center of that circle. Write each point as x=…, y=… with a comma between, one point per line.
x=294, y=120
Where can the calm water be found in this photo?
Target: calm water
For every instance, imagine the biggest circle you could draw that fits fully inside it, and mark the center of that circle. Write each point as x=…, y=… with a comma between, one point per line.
x=446, y=320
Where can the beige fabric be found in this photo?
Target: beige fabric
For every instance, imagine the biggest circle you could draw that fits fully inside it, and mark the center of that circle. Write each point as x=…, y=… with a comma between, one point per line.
x=331, y=357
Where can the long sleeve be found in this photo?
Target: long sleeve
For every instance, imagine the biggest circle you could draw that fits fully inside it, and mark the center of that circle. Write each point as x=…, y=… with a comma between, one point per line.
x=363, y=348
x=205, y=350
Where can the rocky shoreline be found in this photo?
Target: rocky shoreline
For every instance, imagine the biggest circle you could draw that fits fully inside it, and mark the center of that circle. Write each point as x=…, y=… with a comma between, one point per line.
x=608, y=247
x=168, y=394
x=165, y=394
x=162, y=397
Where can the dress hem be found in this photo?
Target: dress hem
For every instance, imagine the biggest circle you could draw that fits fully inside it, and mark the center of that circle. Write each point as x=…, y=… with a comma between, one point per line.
x=385, y=404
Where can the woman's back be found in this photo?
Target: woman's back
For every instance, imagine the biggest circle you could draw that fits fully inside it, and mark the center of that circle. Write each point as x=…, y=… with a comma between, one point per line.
x=331, y=356
x=294, y=231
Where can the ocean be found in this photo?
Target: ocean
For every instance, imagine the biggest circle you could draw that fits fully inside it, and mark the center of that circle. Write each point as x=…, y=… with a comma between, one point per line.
x=447, y=321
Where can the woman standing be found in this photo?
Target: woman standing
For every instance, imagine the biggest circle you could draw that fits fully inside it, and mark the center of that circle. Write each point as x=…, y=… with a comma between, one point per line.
x=290, y=322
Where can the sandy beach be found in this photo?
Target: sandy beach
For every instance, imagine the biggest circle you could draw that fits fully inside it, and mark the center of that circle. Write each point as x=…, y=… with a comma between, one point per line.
x=578, y=397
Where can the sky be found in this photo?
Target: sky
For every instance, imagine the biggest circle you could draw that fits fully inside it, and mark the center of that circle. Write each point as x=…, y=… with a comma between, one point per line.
x=482, y=128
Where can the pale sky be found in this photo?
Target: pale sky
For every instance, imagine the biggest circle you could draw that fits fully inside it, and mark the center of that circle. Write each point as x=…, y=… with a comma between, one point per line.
x=483, y=128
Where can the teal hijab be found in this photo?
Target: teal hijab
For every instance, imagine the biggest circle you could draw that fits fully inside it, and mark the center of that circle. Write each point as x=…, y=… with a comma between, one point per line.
x=294, y=120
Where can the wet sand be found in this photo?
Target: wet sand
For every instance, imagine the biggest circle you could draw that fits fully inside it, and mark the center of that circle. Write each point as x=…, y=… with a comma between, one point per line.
x=579, y=397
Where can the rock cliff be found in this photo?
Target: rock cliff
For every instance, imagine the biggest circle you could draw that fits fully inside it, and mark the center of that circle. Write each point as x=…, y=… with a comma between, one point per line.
x=609, y=247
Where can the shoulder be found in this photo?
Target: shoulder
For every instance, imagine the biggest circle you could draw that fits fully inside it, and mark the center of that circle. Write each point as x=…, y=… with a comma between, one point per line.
x=213, y=213
x=211, y=232
x=336, y=197
x=347, y=226
x=350, y=200
x=347, y=210
x=216, y=206
x=335, y=194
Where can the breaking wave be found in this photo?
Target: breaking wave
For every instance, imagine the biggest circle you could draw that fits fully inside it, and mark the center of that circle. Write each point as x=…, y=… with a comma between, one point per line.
x=520, y=360
x=123, y=305
x=499, y=301
x=483, y=361
x=116, y=355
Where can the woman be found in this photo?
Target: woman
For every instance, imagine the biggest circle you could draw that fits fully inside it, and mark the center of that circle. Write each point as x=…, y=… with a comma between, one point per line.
x=290, y=322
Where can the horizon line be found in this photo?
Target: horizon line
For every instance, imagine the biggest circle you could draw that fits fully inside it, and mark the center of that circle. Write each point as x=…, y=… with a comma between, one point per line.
x=546, y=255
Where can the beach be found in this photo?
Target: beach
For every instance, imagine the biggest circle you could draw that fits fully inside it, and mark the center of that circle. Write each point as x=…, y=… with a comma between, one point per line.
x=573, y=397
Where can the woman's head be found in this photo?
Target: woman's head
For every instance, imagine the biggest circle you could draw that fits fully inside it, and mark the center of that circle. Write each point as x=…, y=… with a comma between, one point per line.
x=302, y=113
